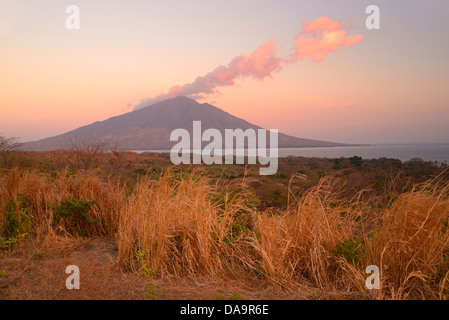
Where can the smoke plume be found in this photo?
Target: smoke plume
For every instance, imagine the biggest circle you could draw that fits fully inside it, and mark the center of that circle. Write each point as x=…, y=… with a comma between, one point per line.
x=317, y=39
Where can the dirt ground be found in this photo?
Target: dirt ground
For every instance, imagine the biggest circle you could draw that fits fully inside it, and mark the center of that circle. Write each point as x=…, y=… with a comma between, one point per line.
x=38, y=272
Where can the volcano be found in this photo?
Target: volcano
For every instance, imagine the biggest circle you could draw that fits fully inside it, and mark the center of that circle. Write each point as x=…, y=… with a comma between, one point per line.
x=149, y=128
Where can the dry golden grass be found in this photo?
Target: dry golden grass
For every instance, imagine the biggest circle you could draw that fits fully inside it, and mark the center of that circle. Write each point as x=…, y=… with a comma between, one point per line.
x=175, y=220
x=411, y=244
x=185, y=228
x=43, y=193
x=295, y=246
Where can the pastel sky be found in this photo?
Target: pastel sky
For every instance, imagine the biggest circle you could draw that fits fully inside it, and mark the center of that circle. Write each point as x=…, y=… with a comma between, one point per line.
x=380, y=86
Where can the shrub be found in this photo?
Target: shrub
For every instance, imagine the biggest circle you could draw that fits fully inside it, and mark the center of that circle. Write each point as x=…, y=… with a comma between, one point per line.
x=350, y=249
x=150, y=290
x=71, y=215
x=356, y=161
x=16, y=223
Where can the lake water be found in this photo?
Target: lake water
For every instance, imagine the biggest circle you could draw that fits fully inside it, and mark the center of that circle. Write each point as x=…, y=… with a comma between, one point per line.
x=404, y=152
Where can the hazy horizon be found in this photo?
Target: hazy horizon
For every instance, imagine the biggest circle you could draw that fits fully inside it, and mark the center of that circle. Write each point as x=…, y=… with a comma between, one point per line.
x=370, y=144
x=256, y=60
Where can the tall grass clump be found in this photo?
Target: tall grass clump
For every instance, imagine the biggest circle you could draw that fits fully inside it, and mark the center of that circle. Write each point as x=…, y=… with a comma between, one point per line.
x=175, y=221
x=327, y=245
x=296, y=246
x=42, y=195
x=411, y=246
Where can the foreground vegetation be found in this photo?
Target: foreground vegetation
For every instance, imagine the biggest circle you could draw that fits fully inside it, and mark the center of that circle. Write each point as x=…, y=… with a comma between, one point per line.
x=310, y=231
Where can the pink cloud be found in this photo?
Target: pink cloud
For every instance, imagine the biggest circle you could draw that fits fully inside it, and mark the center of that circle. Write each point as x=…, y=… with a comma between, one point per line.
x=321, y=24
x=320, y=37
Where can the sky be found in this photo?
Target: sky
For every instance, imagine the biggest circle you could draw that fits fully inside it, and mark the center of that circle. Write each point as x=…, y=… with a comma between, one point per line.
x=374, y=86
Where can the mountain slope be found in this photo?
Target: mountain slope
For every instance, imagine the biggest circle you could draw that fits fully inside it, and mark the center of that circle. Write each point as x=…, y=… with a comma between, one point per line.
x=150, y=128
